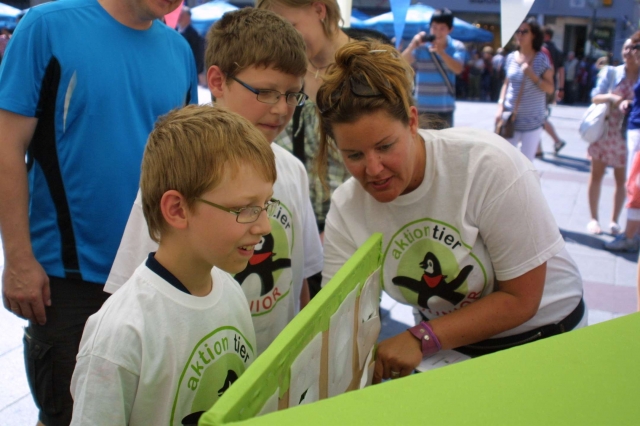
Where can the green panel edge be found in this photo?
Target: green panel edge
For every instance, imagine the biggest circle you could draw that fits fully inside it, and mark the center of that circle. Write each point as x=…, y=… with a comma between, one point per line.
x=249, y=393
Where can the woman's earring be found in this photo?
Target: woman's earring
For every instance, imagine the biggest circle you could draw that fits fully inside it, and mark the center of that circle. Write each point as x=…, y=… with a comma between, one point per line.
x=322, y=20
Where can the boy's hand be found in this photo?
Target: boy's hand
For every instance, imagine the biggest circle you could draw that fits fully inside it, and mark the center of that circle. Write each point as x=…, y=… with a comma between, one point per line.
x=25, y=289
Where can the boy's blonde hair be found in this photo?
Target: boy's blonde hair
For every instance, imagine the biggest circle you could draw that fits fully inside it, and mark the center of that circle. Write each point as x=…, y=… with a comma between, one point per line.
x=190, y=149
x=367, y=76
x=252, y=37
x=331, y=23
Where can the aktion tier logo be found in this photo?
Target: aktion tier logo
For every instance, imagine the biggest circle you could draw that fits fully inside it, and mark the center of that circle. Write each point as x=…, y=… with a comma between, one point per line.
x=268, y=277
x=427, y=264
x=215, y=363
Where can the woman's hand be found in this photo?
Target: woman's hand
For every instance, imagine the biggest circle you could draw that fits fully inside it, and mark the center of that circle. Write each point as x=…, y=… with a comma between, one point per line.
x=499, y=112
x=397, y=357
x=625, y=106
x=615, y=100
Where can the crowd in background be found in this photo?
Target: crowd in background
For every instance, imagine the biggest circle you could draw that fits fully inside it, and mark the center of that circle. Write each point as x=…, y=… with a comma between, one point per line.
x=483, y=75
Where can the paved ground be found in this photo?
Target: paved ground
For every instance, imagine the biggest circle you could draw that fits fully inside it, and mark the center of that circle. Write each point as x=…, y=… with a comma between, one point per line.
x=609, y=279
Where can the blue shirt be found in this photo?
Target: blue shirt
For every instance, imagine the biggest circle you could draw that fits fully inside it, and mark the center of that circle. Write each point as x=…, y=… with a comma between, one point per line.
x=97, y=88
x=432, y=94
x=634, y=115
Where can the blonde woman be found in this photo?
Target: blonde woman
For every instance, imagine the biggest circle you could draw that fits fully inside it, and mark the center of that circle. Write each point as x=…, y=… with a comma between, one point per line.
x=469, y=240
x=318, y=21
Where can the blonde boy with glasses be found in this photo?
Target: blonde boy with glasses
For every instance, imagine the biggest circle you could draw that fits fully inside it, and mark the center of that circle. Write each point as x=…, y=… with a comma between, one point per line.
x=165, y=347
x=255, y=63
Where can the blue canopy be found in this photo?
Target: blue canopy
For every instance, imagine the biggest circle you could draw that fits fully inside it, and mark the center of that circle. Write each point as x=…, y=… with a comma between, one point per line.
x=418, y=18
x=8, y=11
x=357, y=18
x=8, y=15
x=203, y=16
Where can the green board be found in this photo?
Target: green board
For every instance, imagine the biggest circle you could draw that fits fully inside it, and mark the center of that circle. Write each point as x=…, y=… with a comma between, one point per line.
x=589, y=376
x=270, y=371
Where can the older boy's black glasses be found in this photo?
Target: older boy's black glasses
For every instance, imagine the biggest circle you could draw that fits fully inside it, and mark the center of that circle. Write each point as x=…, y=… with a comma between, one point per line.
x=247, y=214
x=273, y=96
x=359, y=87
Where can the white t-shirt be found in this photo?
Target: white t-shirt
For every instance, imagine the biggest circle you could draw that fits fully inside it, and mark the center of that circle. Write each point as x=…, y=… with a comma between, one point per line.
x=273, y=279
x=479, y=215
x=152, y=355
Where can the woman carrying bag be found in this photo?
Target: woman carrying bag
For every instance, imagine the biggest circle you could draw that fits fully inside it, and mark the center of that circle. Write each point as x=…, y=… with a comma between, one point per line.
x=615, y=86
x=528, y=70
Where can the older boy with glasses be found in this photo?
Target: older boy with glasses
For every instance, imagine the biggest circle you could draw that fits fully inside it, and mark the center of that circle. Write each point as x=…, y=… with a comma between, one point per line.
x=256, y=62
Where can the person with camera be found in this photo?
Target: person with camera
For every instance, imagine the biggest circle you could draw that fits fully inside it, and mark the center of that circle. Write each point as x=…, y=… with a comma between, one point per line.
x=436, y=59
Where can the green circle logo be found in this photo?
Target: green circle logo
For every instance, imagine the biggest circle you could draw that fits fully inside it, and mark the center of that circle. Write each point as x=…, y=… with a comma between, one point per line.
x=428, y=265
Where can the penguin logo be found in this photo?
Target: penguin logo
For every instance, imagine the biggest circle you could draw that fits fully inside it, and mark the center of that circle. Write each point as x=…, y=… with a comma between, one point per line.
x=262, y=264
x=303, y=396
x=231, y=378
x=192, y=419
x=433, y=283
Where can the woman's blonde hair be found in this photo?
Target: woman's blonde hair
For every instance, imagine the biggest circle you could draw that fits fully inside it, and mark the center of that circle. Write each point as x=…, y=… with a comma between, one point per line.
x=367, y=76
x=332, y=22
x=189, y=151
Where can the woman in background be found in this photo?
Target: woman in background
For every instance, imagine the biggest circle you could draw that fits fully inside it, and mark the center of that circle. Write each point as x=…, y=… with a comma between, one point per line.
x=611, y=149
x=530, y=67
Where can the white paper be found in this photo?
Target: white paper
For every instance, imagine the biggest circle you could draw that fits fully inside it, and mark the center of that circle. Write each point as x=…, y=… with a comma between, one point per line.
x=304, y=387
x=367, y=372
x=341, y=346
x=369, y=320
x=271, y=405
x=512, y=13
x=441, y=359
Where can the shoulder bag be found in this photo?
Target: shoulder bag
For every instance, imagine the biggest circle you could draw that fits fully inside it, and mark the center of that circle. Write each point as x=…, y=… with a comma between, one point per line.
x=594, y=123
x=505, y=126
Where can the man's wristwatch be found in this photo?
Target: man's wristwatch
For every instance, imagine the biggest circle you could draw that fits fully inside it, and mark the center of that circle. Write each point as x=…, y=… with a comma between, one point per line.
x=428, y=340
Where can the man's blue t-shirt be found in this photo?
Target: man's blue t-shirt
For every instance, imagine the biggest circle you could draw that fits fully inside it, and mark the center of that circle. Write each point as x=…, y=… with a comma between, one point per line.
x=634, y=115
x=432, y=94
x=97, y=87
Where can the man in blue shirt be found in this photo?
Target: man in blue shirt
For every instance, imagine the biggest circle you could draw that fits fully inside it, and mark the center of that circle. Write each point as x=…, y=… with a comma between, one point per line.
x=81, y=86
x=437, y=59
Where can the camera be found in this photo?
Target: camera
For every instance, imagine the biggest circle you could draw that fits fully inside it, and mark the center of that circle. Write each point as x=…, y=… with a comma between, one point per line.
x=428, y=38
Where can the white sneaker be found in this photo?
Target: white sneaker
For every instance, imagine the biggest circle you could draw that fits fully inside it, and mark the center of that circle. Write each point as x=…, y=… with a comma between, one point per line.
x=622, y=243
x=615, y=228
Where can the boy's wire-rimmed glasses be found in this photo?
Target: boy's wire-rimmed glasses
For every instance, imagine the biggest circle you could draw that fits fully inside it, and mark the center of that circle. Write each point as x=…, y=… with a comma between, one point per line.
x=273, y=96
x=247, y=214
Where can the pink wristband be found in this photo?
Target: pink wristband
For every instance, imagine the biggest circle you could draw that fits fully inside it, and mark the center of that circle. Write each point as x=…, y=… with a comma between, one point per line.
x=428, y=339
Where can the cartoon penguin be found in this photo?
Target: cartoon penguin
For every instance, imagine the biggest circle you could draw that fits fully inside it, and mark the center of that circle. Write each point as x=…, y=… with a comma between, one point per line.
x=262, y=264
x=192, y=419
x=231, y=378
x=433, y=283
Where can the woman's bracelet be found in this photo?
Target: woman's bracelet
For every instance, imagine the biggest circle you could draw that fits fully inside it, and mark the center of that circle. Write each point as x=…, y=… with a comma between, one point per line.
x=428, y=340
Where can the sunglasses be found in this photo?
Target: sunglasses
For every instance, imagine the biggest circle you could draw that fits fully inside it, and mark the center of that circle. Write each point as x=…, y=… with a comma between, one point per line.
x=636, y=47
x=358, y=85
x=522, y=32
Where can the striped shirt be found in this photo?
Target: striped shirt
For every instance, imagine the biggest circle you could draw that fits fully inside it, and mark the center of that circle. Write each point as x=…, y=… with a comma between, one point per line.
x=432, y=94
x=532, y=110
